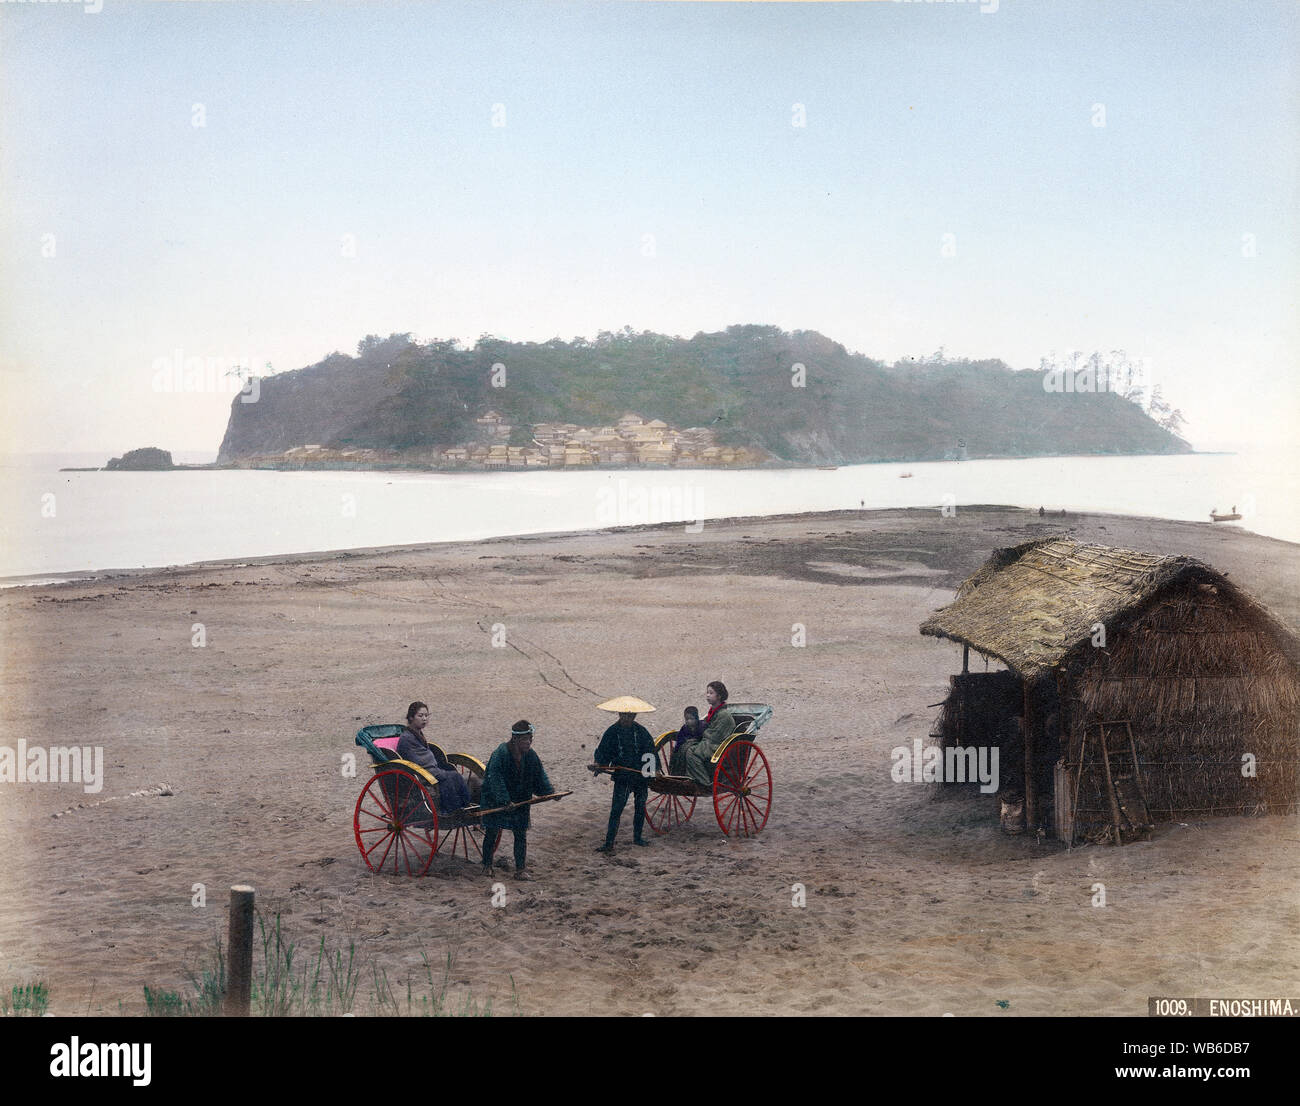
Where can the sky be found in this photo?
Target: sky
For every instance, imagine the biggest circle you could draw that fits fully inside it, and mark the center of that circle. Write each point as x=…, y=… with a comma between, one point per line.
x=265, y=183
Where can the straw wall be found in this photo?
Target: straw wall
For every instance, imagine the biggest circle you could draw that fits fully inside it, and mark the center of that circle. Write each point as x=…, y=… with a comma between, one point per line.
x=976, y=702
x=1199, y=675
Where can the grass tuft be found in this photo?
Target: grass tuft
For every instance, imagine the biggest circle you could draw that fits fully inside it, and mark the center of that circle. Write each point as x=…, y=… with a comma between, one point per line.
x=25, y=1000
x=325, y=982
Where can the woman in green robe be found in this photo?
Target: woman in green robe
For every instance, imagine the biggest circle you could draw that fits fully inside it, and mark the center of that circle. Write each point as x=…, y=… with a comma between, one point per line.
x=718, y=726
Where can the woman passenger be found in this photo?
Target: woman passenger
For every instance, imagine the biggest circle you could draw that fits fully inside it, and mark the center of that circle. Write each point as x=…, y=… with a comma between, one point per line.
x=453, y=793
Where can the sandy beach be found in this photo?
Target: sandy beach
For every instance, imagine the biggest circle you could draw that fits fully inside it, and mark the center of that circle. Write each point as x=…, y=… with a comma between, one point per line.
x=915, y=904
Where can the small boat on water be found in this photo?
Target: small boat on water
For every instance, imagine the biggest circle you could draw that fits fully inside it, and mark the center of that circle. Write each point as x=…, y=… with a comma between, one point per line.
x=828, y=468
x=905, y=476
x=1231, y=517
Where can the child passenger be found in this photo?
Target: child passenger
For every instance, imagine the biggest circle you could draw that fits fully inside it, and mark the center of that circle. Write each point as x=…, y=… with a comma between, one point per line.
x=691, y=730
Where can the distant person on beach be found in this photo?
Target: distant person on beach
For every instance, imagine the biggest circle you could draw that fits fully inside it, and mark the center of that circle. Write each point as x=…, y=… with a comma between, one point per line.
x=718, y=726
x=628, y=748
x=514, y=775
x=453, y=792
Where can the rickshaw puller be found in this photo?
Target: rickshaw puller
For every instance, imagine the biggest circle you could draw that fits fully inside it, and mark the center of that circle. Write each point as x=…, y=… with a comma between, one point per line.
x=514, y=775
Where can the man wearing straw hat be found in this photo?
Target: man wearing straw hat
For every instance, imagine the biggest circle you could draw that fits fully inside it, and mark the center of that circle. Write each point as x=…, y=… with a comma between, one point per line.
x=629, y=750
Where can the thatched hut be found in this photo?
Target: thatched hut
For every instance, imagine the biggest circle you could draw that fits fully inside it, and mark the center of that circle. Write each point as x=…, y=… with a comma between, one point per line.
x=1138, y=688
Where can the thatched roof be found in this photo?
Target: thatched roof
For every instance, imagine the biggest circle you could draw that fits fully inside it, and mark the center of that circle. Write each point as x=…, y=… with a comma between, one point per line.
x=1031, y=605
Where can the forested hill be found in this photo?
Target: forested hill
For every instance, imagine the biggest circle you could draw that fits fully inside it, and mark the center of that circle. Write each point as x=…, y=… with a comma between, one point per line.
x=800, y=396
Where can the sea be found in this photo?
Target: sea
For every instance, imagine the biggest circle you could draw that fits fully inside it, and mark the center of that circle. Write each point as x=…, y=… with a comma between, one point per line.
x=58, y=525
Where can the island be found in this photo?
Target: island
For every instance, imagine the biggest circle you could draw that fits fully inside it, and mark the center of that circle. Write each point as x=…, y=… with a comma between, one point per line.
x=148, y=459
x=743, y=397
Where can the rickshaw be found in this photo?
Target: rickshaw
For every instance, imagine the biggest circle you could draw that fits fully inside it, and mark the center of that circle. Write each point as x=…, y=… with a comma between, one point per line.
x=742, y=781
x=398, y=823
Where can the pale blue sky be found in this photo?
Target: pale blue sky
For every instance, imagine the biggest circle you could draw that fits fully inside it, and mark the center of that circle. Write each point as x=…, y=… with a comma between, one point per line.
x=628, y=120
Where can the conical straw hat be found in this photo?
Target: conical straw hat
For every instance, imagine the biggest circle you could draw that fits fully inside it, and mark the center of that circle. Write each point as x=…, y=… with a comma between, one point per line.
x=626, y=704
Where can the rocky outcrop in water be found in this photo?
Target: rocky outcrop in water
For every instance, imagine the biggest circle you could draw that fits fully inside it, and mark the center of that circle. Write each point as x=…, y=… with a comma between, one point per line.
x=150, y=458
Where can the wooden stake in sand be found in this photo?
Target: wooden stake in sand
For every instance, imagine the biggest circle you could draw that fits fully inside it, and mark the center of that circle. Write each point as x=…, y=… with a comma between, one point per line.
x=239, y=941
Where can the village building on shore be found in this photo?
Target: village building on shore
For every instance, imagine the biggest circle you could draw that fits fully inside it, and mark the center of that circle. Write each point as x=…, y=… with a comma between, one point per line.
x=633, y=441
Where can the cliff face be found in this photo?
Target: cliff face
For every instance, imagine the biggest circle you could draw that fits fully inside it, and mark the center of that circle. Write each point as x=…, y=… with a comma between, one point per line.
x=312, y=405
x=800, y=396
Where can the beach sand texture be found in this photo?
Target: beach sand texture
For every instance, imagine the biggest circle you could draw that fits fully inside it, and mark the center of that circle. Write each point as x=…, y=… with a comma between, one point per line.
x=915, y=904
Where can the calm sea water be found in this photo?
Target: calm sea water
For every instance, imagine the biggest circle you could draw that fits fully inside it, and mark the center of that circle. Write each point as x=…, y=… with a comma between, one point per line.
x=61, y=522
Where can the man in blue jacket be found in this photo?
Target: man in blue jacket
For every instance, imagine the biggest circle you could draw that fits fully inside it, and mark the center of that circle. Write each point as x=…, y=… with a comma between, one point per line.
x=628, y=748
x=514, y=775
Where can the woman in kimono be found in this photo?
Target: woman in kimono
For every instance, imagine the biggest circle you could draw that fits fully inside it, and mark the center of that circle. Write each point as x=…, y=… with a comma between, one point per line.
x=453, y=792
x=718, y=726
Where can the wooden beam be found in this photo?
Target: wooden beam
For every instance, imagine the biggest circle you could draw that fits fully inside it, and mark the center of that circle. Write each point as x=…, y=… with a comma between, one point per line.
x=1031, y=797
x=1110, y=791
